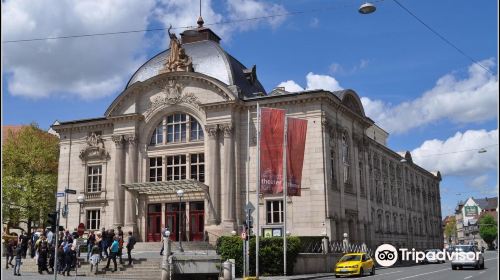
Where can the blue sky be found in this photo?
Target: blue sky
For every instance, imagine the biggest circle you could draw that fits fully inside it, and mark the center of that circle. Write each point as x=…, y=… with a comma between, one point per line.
x=433, y=100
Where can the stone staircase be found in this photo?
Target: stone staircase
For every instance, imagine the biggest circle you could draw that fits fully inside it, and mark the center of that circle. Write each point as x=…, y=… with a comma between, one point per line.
x=146, y=261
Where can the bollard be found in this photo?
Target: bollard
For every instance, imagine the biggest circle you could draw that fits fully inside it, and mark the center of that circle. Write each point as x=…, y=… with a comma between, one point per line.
x=325, y=245
x=228, y=270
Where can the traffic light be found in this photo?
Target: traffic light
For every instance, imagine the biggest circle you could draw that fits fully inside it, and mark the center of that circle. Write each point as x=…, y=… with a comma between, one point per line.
x=249, y=223
x=52, y=221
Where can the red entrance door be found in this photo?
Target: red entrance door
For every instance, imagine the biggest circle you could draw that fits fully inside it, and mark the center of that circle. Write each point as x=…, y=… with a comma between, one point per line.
x=154, y=223
x=172, y=220
x=196, y=220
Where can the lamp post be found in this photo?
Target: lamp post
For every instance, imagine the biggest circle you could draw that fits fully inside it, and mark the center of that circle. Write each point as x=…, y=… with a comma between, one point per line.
x=165, y=273
x=180, y=193
x=81, y=200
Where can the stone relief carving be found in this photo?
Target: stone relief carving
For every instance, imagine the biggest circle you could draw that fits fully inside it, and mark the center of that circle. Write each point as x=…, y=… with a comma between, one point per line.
x=212, y=130
x=178, y=60
x=94, y=149
x=227, y=129
x=172, y=94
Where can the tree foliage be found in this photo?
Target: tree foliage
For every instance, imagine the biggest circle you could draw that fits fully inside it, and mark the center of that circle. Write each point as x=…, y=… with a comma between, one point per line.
x=450, y=229
x=488, y=229
x=29, y=180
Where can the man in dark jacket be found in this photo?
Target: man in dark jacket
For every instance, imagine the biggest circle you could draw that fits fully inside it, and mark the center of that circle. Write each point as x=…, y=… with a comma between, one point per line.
x=23, y=241
x=130, y=246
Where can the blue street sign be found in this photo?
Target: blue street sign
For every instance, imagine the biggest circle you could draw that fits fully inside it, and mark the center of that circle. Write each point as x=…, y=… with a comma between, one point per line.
x=60, y=194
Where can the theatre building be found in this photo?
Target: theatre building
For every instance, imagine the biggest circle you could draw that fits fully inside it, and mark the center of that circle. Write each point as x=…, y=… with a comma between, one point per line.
x=181, y=123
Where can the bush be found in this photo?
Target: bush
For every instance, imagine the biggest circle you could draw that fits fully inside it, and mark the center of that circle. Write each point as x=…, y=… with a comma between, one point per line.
x=270, y=253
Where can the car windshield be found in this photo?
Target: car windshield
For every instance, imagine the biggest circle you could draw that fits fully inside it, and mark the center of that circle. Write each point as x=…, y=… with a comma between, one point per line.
x=464, y=249
x=348, y=258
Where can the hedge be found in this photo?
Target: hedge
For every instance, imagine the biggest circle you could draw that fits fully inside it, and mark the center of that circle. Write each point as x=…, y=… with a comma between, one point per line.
x=270, y=253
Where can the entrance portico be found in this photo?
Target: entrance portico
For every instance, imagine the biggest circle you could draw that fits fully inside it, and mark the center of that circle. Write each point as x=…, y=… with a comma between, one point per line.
x=163, y=209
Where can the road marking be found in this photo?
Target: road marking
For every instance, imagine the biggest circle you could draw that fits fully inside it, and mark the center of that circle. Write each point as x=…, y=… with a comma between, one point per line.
x=408, y=277
x=490, y=259
x=482, y=272
x=468, y=277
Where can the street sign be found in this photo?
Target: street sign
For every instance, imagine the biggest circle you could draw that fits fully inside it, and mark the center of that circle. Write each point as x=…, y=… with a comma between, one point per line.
x=249, y=207
x=81, y=229
x=244, y=235
x=70, y=191
x=60, y=194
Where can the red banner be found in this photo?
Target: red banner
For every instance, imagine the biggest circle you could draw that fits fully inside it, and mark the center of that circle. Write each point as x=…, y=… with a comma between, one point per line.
x=296, y=143
x=272, y=126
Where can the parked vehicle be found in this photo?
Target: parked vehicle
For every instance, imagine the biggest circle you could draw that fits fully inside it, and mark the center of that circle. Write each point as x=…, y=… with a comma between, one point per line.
x=354, y=264
x=476, y=263
x=432, y=258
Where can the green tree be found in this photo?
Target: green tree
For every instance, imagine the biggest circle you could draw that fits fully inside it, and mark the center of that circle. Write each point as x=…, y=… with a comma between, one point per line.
x=450, y=229
x=29, y=180
x=488, y=229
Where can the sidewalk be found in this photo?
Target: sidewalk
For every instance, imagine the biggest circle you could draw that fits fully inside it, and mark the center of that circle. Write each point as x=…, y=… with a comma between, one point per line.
x=296, y=277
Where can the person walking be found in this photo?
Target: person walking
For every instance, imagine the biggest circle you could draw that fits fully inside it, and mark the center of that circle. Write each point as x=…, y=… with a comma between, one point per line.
x=68, y=258
x=104, y=242
x=11, y=245
x=90, y=244
x=60, y=258
x=43, y=250
x=19, y=254
x=130, y=246
x=113, y=252
x=23, y=240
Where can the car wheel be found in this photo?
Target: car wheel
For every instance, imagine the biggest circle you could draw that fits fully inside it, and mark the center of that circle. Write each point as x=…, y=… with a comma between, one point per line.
x=361, y=272
x=373, y=271
x=336, y=276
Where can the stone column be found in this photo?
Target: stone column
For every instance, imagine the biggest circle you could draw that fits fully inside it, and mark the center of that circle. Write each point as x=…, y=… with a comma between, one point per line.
x=130, y=197
x=118, y=192
x=229, y=176
x=214, y=175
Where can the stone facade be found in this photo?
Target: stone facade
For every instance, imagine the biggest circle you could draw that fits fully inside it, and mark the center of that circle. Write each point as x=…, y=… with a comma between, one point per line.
x=351, y=182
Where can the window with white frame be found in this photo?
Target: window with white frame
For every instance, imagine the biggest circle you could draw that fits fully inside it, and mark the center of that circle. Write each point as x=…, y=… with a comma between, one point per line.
x=274, y=211
x=176, y=128
x=176, y=167
x=157, y=137
x=93, y=218
x=198, y=167
x=94, y=178
x=155, y=169
x=196, y=130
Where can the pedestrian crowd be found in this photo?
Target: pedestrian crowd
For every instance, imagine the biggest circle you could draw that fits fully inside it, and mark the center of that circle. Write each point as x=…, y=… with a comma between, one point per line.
x=101, y=245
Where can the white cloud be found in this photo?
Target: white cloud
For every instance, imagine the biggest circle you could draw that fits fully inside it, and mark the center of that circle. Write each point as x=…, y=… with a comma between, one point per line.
x=458, y=154
x=88, y=67
x=479, y=181
x=98, y=66
x=337, y=68
x=472, y=99
x=314, y=81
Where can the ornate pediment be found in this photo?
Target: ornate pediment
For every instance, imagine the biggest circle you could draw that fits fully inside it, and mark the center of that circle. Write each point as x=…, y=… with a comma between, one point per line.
x=170, y=95
x=95, y=149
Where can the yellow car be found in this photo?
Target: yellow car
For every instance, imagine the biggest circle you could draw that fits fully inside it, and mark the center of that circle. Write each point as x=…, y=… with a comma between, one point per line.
x=355, y=264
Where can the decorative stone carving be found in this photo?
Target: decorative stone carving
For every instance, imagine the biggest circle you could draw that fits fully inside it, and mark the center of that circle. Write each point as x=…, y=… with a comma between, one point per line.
x=227, y=129
x=118, y=139
x=171, y=95
x=94, y=149
x=178, y=60
x=131, y=139
x=212, y=130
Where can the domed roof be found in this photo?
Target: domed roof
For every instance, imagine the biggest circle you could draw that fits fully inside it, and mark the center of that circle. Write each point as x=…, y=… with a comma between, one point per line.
x=210, y=59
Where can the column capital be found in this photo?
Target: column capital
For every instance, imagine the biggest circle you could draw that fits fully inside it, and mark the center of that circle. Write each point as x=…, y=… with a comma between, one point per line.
x=131, y=139
x=227, y=128
x=212, y=130
x=118, y=139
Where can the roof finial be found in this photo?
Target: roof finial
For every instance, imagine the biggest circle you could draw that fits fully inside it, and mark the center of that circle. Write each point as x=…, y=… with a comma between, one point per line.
x=200, y=19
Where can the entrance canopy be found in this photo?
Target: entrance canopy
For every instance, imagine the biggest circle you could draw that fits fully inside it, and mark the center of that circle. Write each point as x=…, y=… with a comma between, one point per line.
x=167, y=187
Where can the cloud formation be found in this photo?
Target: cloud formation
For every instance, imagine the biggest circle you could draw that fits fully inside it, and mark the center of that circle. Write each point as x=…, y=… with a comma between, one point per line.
x=472, y=99
x=458, y=155
x=314, y=81
x=95, y=67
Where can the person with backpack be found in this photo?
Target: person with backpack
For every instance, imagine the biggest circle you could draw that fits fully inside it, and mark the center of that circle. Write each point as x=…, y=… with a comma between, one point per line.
x=19, y=253
x=43, y=251
x=130, y=246
x=113, y=252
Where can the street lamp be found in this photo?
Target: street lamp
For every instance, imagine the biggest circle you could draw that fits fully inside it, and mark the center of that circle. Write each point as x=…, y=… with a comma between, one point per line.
x=81, y=200
x=180, y=193
x=367, y=8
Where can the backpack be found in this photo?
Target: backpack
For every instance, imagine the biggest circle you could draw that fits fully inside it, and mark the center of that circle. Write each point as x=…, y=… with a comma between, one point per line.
x=131, y=242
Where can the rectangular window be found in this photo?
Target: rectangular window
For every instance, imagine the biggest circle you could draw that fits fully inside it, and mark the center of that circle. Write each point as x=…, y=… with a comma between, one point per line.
x=155, y=169
x=176, y=168
x=198, y=167
x=94, y=178
x=93, y=219
x=176, y=128
x=274, y=212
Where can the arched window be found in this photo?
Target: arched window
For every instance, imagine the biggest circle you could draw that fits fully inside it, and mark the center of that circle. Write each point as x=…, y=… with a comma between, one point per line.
x=345, y=157
x=179, y=128
x=157, y=137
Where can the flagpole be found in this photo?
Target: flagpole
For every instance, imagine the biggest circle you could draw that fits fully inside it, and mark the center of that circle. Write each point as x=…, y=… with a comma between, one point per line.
x=257, y=192
x=285, y=192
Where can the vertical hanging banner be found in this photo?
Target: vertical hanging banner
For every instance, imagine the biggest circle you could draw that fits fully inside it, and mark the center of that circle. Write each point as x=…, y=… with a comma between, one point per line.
x=272, y=127
x=296, y=143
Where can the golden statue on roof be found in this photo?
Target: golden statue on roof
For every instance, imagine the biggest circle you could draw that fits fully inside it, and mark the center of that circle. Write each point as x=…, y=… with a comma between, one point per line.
x=177, y=60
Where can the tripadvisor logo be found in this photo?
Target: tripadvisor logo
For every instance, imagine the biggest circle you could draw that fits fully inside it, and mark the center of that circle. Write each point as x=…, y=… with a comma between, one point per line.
x=386, y=255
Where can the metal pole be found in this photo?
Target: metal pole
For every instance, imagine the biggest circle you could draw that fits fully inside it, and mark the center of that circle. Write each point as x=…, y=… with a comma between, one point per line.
x=257, y=195
x=285, y=192
x=57, y=239
x=165, y=273
x=79, y=213
x=180, y=226
x=246, y=257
